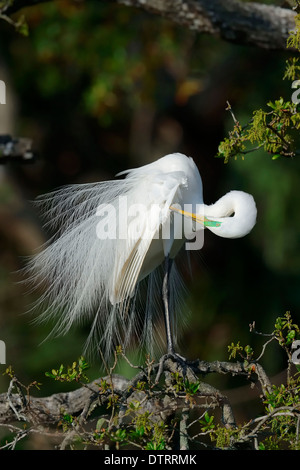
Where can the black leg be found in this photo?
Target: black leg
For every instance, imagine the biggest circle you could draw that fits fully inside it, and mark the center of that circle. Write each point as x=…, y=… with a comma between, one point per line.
x=166, y=301
x=182, y=363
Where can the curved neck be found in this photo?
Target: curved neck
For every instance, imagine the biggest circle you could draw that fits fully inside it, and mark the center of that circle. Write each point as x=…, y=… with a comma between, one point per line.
x=236, y=212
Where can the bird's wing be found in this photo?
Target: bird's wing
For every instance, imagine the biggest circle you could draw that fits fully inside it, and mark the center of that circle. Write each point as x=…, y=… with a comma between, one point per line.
x=142, y=228
x=126, y=271
x=83, y=273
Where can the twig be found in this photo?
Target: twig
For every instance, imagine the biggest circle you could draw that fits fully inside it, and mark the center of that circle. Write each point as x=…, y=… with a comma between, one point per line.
x=264, y=348
x=184, y=442
x=298, y=430
x=15, y=383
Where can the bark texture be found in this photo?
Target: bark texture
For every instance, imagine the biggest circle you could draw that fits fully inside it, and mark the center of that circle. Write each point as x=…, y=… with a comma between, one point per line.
x=244, y=23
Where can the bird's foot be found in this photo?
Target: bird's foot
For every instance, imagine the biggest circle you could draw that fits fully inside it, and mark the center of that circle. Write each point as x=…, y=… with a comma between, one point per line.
x=180, y=364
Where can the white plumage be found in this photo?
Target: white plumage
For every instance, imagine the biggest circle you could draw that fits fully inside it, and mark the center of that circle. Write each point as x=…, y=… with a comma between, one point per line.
x=112, y=236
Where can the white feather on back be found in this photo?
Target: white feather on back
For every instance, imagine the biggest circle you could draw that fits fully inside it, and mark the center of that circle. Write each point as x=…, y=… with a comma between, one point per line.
x=86, y=278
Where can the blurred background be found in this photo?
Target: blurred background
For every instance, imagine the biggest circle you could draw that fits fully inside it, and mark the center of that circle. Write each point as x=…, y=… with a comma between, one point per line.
x=102, y=88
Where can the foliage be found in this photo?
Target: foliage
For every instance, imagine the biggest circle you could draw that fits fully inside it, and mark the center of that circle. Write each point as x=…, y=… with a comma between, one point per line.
x=278, y=427
x=275, y=130
x=73, y=373
x=117, y=72
x=20, y=24
x=134, y=419
x=294, y=37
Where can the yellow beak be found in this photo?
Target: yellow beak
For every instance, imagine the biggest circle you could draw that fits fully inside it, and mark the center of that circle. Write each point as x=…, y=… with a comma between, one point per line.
x=197, y=218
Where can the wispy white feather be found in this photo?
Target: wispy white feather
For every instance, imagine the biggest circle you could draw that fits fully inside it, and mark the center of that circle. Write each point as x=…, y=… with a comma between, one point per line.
x=103, y=281
x=115, y=281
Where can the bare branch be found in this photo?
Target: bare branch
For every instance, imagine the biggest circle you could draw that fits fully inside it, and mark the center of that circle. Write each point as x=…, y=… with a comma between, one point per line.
x=16, y=149
x=245, y=23
x=50, y=409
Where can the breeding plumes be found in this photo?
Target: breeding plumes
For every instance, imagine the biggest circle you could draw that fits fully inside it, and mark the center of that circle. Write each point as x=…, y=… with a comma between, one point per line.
x=111, y=261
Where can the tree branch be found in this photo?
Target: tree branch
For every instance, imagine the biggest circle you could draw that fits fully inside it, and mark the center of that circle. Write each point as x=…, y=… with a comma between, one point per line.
x=16, y=149
x=17, y=5
x=50, y=409
x=244, y=23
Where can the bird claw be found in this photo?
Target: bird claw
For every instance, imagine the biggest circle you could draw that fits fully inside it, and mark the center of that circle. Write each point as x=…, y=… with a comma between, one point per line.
x=175, y=357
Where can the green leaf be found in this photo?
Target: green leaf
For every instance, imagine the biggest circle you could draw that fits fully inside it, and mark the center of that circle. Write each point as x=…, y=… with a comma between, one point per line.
x=100, y=423
x=22, y=26
x=290, y=336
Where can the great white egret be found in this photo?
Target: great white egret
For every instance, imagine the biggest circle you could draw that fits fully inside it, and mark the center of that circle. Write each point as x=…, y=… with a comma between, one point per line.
x=113, y=235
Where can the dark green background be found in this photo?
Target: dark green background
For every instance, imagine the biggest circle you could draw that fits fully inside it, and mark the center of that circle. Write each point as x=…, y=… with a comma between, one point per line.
x=103, y=88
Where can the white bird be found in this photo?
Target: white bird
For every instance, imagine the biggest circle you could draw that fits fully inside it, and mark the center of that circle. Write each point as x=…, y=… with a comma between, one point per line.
x=113, y=236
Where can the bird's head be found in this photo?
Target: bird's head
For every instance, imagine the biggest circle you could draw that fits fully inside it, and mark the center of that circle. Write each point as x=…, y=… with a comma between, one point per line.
x=232, y=216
